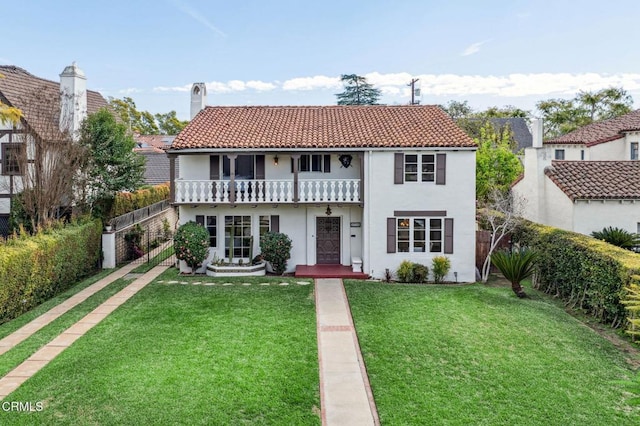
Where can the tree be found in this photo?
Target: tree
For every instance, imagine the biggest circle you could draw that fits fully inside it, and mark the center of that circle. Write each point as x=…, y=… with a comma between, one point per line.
x=516, y=266
x=497, y=167
x=457, y=110
x=357, y=91
x=145, y=123
x=9, y=114
x=169, y=124
x=498, y=214
x=111, y=165
x=565, y=115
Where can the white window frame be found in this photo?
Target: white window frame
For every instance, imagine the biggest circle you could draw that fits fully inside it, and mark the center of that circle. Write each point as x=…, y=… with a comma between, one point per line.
x=408, y=239
x=634, y=151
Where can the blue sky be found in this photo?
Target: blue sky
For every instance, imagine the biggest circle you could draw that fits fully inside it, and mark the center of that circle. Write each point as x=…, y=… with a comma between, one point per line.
x=286, y=52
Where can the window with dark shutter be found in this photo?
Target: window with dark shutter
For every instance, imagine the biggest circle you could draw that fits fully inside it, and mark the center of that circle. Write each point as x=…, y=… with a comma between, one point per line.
x=260, y=167
x=327, y=163
x=441, y=169
x=448, y=236
x=214, y=167
x=398, y=168
x=391, y=235
x=275, y=223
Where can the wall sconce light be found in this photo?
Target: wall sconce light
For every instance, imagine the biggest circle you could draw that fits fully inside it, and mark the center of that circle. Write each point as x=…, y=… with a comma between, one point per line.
x=275, y=160
x=328, y=212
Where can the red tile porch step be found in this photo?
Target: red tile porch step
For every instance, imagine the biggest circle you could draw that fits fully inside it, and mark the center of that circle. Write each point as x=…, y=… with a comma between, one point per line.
x=328, y=271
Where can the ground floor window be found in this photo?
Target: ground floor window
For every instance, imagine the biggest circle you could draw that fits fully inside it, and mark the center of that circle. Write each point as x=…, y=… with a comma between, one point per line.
x=209, y=222
x=237, y=236
x=412, y=235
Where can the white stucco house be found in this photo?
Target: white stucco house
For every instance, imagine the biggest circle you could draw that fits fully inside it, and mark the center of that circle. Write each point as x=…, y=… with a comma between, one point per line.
x=585, y=180
x=49, y=108
x=348, y=184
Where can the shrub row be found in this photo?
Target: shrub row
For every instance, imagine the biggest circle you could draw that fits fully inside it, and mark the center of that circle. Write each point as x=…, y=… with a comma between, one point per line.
x=125, y=202
x=36, y=268
x=586, y=273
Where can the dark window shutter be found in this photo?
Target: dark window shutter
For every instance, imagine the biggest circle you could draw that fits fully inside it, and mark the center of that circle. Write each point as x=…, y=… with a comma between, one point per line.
x=275, y=223
x=260, y=167
x=398, y=168
x=214, y=167
x=292, y=160
x=391, y=235
x=441, y=169
x=327, y=163
x=448, y=236
x=200, y=219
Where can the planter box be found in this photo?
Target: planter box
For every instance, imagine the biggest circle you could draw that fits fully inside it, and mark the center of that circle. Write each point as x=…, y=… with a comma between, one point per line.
x=236, y=270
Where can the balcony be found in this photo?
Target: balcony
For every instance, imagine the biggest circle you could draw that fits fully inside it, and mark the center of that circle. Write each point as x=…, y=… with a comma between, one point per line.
x=267, y=191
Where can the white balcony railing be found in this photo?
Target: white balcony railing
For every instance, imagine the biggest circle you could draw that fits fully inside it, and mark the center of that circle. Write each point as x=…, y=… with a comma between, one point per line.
x=267, y=191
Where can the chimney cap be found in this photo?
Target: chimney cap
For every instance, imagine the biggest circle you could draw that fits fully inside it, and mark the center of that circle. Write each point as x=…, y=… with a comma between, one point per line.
x=73, y=71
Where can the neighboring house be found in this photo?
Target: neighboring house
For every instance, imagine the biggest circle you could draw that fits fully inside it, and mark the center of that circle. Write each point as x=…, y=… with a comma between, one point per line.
x=48, y=107
x=519, y=127
x=374, y=185
x=152, y=148
x=585, y=180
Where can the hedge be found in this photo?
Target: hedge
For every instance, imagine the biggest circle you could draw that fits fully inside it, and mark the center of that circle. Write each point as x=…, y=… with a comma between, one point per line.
x=35, y=268
x=586, y=273
x=125, y=202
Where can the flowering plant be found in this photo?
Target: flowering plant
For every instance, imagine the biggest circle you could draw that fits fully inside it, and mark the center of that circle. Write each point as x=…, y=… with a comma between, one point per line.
x=276, y=249
x=191, y=244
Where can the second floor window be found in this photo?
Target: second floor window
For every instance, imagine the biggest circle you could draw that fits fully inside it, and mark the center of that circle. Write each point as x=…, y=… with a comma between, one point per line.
x=313, y=163
x=634, y=150
x=559, y=154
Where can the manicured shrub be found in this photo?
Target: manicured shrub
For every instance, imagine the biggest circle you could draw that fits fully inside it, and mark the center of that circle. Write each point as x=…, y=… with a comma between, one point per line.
x=516, y=266
x=35, y=268
x=618, y=237
x=276, y=249
x=586, y=273
x=191, y=244
x=405, y=272
x=125, y=202
x=410, y=272
x=440, y=266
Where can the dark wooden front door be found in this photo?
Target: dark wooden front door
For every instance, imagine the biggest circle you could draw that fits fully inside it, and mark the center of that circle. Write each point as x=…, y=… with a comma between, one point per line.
x=328, y=240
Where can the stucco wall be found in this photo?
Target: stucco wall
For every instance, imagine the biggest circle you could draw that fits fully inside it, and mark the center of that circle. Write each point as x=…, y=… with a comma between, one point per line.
x=457, y=197
x=595, y=215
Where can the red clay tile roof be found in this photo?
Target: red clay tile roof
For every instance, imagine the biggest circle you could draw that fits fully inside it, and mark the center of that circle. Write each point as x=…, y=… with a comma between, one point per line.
x=27, y=92
x=602, y=131
x=152, y=143
x=299, y=127
x=596, y=180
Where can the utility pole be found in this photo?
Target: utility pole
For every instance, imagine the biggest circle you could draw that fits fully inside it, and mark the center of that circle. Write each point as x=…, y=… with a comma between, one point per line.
x=413, y=90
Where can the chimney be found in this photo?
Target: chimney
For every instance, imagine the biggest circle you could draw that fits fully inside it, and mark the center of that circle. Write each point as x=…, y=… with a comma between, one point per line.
x=73, y=99
x=198, y=98
x=537, y=132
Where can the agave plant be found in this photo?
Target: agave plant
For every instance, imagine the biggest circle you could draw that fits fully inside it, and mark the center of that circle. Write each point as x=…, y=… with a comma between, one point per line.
x=618, y=237
x=515, y=266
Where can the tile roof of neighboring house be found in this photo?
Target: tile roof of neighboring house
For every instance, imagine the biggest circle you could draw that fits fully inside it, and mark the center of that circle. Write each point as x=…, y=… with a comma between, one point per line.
x=26, y=92
x=596, y=180
x=157, y=167
x=601, y=131
x=152, y=143
x=300, y=127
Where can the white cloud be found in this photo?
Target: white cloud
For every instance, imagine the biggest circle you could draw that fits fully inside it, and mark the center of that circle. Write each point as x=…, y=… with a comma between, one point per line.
x=312, y=83
x=185, y=88
x=473, y=48
x=129, y=91
x=199, y=17
x=394, y=86
x=260, y=86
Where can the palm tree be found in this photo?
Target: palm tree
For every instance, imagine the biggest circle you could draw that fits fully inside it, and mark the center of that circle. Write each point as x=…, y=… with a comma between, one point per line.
x=618, y=237
x=515, y=266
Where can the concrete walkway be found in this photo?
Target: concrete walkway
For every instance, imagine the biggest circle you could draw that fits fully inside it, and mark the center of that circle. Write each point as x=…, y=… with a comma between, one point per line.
x=345, y=394
x=44, y=355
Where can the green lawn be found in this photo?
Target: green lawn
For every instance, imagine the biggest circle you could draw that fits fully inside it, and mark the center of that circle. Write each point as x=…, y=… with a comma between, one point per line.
x=188, y=354
x=476, y=355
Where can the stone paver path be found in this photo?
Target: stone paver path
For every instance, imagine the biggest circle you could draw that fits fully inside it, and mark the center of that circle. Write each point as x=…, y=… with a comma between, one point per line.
x=43, y=320
x=44, y=355
x=345, y=392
